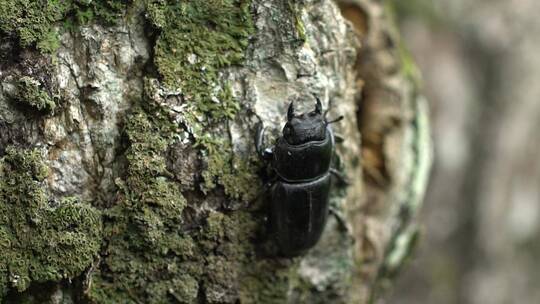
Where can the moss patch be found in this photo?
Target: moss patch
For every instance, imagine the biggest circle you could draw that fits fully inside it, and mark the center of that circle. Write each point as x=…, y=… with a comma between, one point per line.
x=151, y=257
x=268, y=281
x=237, y=176
x=295, y=9
x=226, y=246
x=197, y=39
x=33, y=22
x=156, y=250
x=146, y=247
x=30, y=93
x=39, y=242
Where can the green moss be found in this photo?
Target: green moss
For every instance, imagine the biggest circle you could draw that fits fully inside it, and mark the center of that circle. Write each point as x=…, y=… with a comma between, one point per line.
x=30, y=20
x=237, y=176
x=107, y=11
x=296, y=10
x=148, y=255
x=268, y=281
x=156, y=250
x=197, y=39
x=40, y=243
x=30, y=93
x=151, y=254
x=227, y=246
x=49, y=42
x=33, y=22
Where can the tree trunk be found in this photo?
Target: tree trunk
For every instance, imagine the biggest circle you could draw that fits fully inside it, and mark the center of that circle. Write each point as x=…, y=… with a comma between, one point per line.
x=129, y=172
x=482, y=70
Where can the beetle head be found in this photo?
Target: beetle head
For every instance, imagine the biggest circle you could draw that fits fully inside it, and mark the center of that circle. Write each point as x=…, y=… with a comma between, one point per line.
x=309, y=126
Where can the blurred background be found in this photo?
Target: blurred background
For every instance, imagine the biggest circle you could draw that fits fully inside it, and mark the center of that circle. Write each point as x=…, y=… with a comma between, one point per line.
x=480, y=61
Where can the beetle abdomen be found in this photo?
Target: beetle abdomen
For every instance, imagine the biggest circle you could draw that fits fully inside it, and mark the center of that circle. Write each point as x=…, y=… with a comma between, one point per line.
x=299, y=213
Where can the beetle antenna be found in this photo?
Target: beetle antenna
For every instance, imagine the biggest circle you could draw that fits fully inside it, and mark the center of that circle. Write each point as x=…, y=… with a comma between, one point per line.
x=335, y=120
x=290, y=111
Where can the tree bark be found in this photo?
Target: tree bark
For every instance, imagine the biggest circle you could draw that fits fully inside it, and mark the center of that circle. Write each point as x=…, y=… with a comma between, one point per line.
x=129, y=172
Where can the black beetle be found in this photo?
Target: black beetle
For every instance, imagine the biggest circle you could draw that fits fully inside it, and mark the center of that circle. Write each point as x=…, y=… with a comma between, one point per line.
x=300, y=162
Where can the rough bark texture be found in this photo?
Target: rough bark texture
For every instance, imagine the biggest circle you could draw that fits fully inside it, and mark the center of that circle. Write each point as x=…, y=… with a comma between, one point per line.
x=127, y=155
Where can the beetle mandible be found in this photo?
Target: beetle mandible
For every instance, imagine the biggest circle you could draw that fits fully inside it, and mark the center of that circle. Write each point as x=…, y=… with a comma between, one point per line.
x=300, y=161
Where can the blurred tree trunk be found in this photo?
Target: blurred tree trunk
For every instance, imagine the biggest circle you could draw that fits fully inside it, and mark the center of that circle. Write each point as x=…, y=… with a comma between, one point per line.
x=482, y=209
x=128, y=172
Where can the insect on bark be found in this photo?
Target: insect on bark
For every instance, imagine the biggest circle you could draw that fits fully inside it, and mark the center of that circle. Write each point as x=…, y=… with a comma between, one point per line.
x=300, y=161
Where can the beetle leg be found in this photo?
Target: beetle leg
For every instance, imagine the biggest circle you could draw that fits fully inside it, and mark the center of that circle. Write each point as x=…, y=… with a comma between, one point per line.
x=335, y=120
x=264, y=153
x=340, y=218
x=341, y=178
x=342, y=223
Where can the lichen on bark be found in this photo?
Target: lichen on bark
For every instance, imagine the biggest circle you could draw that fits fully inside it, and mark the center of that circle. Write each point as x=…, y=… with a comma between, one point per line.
x=29, y=93
x=147, y=224
x=41, y=239
x=196, y=40
x=33, y=23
